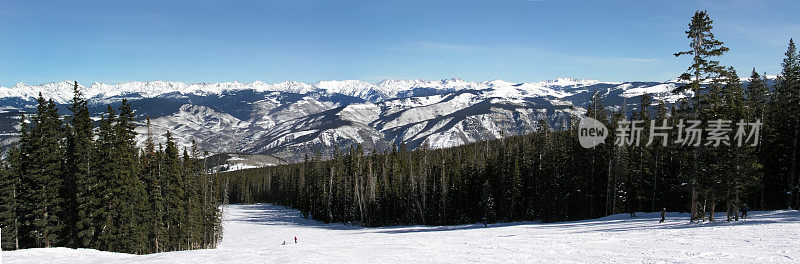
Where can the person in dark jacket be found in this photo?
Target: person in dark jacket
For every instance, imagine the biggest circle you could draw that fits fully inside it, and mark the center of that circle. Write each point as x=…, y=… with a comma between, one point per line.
x=744, y=211
x=663, y=215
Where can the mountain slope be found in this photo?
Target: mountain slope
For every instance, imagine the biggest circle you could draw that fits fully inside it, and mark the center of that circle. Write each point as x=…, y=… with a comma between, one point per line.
x=289, y=119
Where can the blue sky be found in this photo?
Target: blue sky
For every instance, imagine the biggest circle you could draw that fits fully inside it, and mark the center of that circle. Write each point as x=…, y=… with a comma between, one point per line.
x=312, y=40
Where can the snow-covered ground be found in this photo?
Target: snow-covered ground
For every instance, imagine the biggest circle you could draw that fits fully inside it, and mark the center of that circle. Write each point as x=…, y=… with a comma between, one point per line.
x=256, y=233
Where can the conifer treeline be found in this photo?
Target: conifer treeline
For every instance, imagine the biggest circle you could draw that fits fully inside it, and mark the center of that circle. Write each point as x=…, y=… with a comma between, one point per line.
x=548, y=176
x=68, y=184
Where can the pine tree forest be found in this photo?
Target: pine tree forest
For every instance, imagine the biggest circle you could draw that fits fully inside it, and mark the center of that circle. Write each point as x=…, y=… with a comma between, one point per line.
x=69, y=184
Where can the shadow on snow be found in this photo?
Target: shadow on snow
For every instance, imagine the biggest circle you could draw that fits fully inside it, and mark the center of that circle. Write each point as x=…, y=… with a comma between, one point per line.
x=269, y=214
x=275, y=215
x=644, y=221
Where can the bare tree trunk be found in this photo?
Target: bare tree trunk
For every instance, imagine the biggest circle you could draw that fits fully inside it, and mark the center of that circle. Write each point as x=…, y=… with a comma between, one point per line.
x=16, y=220
x=330, y=190
x=792, y=188
x=705, y=205
x=16, y=234
x=713, y=206
x=360, y=198
x=736, y=201
x=592, y=188
x=609, y=194
x=46, y=232
x=695, y=202
x=655, y=180
x=641, y=174
x=443, y=198
x=728, y=206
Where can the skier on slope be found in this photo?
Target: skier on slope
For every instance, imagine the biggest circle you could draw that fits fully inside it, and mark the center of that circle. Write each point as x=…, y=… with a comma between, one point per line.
x=663, y=215
x=295, y=240
x=744, y=211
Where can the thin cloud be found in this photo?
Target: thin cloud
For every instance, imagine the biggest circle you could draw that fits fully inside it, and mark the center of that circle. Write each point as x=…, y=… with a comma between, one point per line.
x=615, y=60
x=775, y=35
x=441, y=46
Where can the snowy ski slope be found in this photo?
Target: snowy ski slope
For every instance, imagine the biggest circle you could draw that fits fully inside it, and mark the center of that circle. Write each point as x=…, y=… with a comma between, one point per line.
x=256, y=233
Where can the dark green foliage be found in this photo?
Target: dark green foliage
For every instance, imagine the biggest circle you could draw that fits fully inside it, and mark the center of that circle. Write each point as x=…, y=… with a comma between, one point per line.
x=103, y=162
x=62, y=187
x=80, y=181
x=783, y=131
x=153, y=216
x=127, y=195
x=516, y=178
x=172, y=181
x=41, y=204
x=9, y=182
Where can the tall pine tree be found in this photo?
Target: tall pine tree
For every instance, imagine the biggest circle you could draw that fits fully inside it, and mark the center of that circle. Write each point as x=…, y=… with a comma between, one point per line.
x=704, y=48
x=41, y=206
x=81, y=183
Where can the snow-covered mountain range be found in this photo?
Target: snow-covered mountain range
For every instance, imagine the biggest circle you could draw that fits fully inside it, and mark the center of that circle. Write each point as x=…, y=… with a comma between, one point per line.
x=289, y=119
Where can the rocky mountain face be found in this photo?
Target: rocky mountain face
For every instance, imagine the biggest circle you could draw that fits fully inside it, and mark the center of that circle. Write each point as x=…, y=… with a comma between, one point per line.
x=288, y=120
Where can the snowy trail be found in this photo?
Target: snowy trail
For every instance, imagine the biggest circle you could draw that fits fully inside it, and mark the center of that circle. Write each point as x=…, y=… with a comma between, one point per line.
x=255, y=234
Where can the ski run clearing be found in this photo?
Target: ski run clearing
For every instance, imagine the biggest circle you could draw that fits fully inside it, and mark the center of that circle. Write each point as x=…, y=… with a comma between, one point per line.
x=256, y=234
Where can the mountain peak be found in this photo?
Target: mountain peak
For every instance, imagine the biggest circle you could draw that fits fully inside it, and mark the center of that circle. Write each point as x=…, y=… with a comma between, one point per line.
x=61, y=91
x=568, y=81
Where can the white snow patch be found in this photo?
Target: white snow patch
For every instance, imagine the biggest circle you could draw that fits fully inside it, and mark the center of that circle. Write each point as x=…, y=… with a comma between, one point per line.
x=360, y=113
x=428, y=112
x=256, y=234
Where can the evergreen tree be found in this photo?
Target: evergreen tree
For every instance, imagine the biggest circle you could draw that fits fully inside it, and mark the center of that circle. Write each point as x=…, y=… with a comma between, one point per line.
x=660, y=158
x=153, y=215
x=41, y=204
x=193, y=199
x=757, y=96
x=81, y=184
x=599, y=161
x=704, y=48
x=174, y=196
x=785, y=122
x=9, y=182
x=105, y=235
x=18, y=165
x=130, y=189
x=757, y=105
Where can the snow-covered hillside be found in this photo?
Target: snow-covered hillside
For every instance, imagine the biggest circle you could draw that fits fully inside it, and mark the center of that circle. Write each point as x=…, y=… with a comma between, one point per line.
x=256, y=234
x=290, y=119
